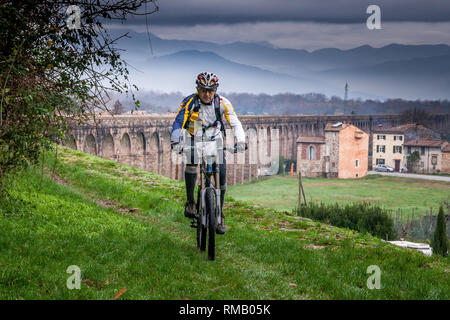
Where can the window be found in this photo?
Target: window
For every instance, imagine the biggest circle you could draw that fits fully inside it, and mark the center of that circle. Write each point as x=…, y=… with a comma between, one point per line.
x=434, y=159
x=381, y=137
x=422, y=151
x=356, y=163
x=397, y=149
x=381, y=148
x=399, y=138
x=380, y=161
x=311, y=153
x=409, y=150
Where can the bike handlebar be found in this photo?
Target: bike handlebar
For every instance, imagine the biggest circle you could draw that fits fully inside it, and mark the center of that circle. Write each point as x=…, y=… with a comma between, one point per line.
x=229, y=148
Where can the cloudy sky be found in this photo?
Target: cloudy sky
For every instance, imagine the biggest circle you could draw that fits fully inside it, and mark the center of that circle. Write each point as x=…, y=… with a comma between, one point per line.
x=300, y=24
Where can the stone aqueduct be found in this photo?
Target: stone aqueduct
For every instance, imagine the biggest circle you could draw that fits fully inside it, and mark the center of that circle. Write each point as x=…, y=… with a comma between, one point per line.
x=144, y=140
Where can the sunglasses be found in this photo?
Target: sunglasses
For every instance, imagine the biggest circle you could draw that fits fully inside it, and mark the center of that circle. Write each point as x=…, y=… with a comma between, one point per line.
x=206, y=90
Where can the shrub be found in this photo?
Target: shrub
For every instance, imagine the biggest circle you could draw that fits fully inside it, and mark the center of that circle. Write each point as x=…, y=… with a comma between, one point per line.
x=362, y=217
x=440, y=242
x=53, y=75
x=412, y=160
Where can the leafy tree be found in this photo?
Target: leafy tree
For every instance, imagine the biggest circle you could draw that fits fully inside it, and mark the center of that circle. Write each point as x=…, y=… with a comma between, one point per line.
x=440, y=241
x=411, y=160
x=54, y=71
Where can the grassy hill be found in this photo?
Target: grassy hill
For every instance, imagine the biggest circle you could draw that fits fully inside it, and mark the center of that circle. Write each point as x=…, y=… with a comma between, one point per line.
x=394, y=193
x=125, y=229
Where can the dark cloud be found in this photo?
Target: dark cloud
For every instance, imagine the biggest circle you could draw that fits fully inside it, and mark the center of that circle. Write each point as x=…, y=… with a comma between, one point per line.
x=192, y=12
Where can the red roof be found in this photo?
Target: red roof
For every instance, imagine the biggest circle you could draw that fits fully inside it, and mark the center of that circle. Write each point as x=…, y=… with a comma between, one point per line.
x=311, y=140
x=436, y=143
x=338, y=126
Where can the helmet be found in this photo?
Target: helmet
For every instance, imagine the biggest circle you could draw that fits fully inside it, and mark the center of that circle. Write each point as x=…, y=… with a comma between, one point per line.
x=207, y=80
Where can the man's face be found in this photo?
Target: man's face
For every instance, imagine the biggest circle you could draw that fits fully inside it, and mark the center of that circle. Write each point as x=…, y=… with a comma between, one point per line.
x=206, y=95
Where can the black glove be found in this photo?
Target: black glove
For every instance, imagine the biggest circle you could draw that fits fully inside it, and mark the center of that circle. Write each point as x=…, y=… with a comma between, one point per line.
x=241, y=146
x=176, y=146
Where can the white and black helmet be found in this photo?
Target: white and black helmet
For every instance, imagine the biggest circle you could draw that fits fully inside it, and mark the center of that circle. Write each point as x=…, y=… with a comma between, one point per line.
x=207, y=80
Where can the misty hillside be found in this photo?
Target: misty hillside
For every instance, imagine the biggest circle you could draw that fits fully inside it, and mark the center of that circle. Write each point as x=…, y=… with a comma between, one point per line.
x=178, y=71
x=427, y=77
x=393, y=71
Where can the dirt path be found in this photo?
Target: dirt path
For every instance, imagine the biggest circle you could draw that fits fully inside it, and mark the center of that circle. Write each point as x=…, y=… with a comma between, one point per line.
x=101, y=202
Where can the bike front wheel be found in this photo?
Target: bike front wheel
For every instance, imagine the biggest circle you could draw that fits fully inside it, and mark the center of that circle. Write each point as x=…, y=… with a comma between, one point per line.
x=201, y=229
x=211, y=222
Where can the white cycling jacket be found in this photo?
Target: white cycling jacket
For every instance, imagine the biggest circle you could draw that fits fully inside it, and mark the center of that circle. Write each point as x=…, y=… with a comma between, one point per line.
x=206, y=115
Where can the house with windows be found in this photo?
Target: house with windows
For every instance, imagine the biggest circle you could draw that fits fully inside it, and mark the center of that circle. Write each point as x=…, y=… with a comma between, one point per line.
x=342, y=152
x=310, y=153
x=445, y=164
x=431, y=154
x=392, y=146
x=387, y=147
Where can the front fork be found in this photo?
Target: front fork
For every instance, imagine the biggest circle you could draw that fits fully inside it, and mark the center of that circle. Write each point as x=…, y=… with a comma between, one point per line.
x=202, y=206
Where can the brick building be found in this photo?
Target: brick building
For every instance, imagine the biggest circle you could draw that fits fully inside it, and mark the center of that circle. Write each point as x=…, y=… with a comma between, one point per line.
x=311, y=151
x=342, y=152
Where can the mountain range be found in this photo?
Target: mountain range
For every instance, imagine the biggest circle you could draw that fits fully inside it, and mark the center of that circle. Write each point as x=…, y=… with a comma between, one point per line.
x=393, y=71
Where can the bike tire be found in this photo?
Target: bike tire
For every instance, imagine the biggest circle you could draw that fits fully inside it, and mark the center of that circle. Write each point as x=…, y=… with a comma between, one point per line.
x=201, y=230
x=211, y=222
x=201, y=236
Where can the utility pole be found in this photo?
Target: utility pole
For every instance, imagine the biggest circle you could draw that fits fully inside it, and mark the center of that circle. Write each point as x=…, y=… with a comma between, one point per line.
x=345, y=95
x=301, y=191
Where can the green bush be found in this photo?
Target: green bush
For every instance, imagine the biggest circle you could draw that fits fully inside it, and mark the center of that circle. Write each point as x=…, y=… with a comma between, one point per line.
x=362, y=217
x=440, y=242
x=52, y=76
x=412, y=160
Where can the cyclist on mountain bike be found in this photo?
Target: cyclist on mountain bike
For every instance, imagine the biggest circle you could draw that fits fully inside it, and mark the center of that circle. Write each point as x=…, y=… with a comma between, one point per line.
x=205, y=107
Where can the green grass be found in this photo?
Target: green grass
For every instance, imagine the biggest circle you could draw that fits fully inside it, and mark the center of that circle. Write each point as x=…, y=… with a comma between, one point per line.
x=280, y=192
x=84, y=218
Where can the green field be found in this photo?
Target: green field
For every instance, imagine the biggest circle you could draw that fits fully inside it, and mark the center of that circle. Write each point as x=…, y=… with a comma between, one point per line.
x=281, y=192
x=125, y=229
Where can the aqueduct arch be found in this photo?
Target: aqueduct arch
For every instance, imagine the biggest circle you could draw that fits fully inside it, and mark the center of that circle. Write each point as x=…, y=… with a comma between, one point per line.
x=108, y=150
x=155, y=153
x=144, y=140
x=90, y=145
x=125, y=149
x=140, y=151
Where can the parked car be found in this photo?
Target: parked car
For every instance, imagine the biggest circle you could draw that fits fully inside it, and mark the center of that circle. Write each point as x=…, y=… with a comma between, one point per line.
x=383, y=168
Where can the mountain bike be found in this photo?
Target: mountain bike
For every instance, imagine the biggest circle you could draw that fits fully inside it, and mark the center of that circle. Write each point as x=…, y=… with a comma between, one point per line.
x=208, y=207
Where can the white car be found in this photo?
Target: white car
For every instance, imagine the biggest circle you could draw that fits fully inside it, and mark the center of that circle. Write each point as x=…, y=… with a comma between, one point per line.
x=383, y=168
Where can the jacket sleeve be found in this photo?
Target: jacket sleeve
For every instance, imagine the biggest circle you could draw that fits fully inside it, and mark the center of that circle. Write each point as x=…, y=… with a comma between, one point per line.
x=180, y=119
x=232, y=119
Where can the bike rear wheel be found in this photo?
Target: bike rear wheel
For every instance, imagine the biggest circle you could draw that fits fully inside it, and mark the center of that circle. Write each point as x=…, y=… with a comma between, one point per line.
x=211, y=222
